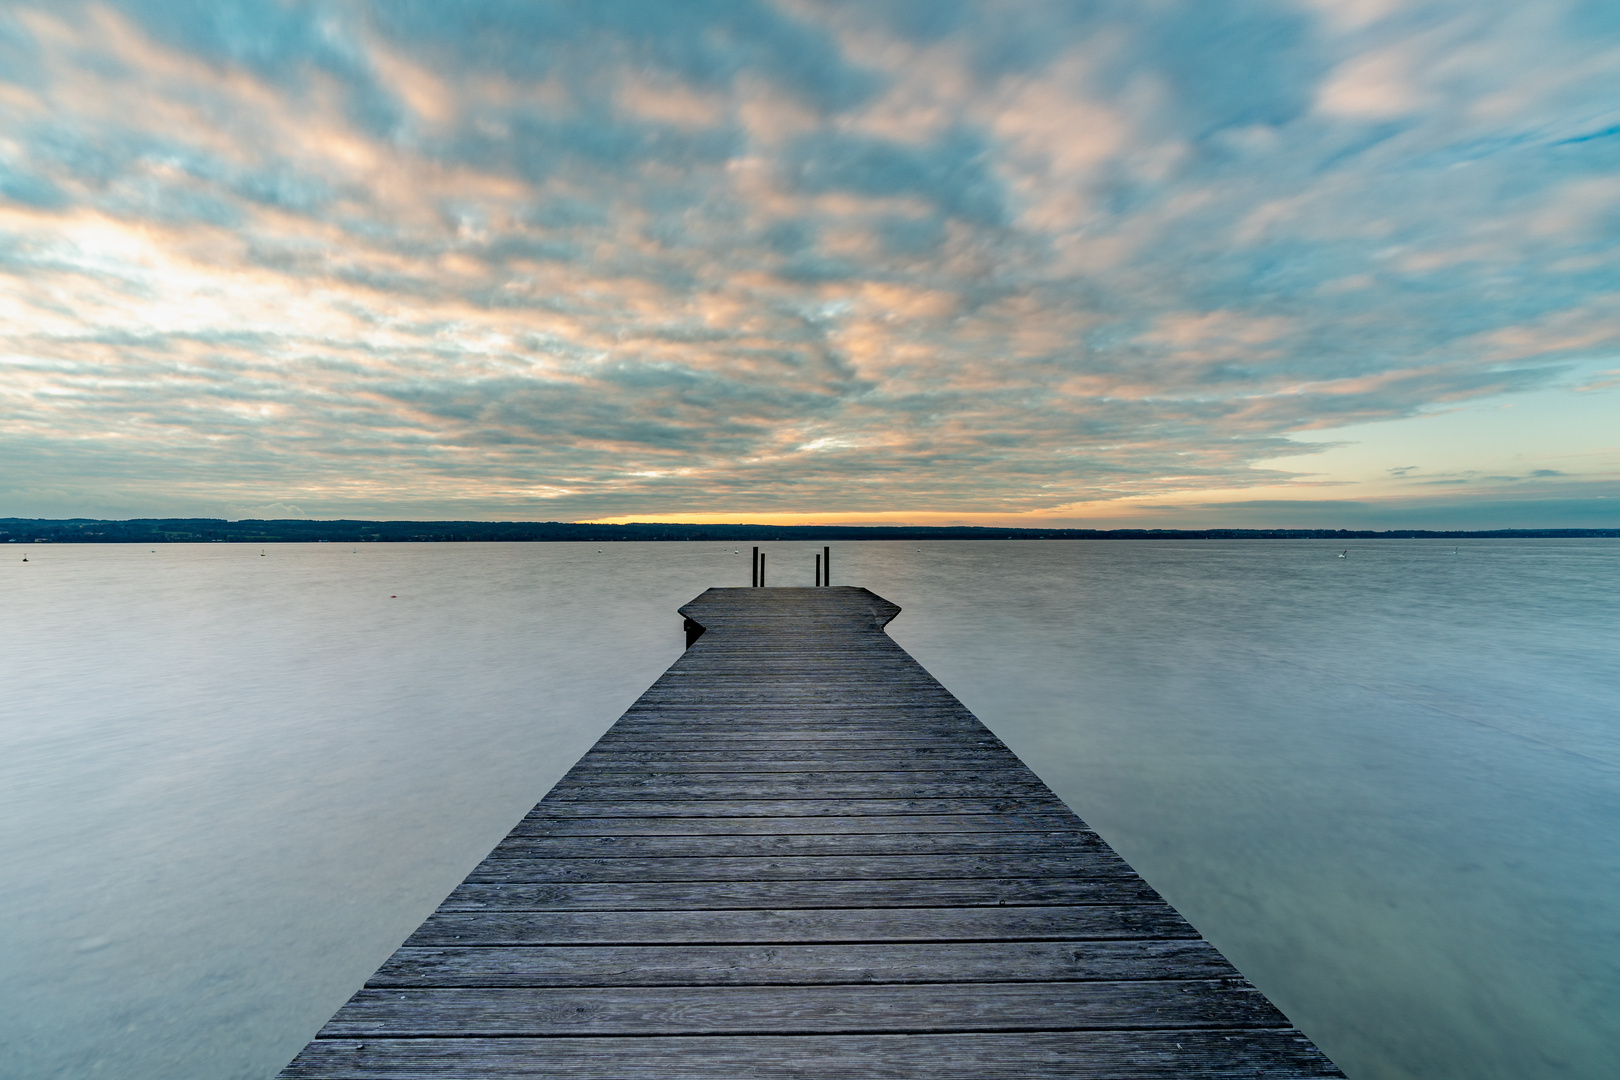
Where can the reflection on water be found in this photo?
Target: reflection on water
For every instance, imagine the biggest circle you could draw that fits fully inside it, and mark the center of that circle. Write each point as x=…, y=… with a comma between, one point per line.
x=1386, y=786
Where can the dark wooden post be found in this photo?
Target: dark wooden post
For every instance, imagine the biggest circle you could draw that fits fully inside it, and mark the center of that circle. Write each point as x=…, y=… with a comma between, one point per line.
x=826, y=566
x=818, y=571
x=753, y=579
x=762, y=569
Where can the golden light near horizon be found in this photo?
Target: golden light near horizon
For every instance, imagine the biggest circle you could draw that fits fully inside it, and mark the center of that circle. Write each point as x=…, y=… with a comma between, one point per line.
x=1305, y=263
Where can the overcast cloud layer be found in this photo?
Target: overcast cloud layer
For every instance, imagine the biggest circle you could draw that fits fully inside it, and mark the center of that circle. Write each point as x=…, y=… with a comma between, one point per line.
x=936, y=261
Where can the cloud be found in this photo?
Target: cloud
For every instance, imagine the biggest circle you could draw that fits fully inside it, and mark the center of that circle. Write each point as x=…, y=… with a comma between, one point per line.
x=619, y=259
x=267, y=512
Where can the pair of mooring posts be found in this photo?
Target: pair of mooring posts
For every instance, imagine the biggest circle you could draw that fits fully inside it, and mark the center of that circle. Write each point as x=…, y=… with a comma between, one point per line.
x=823, y=568
x=823, y=578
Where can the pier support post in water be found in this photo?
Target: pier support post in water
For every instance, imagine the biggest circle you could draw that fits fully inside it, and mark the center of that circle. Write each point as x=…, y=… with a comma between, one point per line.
x=797, y=855
x=826, y=566
x=754, y=570
x=818, y=571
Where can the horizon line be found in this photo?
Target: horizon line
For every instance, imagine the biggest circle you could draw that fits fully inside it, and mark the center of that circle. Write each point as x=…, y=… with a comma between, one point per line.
x=263, y=530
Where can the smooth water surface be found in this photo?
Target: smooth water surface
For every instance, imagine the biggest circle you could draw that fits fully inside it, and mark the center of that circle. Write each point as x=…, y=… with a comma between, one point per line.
x=1387, y=786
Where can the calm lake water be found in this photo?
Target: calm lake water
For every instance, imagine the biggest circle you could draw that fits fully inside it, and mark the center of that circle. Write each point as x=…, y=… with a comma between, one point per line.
x=1386, y=786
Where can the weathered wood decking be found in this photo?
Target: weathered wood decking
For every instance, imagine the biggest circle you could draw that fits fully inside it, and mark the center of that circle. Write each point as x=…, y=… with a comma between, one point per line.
x=797, y=855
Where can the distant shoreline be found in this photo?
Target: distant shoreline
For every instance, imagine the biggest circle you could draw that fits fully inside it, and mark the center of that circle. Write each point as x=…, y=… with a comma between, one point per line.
x=297, y=530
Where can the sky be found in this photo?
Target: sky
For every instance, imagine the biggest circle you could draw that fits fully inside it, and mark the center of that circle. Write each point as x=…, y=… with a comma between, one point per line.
x=1311, y=263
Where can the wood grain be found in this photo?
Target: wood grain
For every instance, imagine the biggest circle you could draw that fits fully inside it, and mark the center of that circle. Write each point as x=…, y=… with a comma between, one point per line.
x=683, y=844
x=1137, y=922
x=920, y=825
x=1281, y=1054
x=516, y=1012
x=754, y=965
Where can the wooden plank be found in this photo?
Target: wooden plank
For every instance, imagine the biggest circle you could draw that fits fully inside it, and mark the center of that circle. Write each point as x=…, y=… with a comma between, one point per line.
x=812, y=786
x=1099, y=862
x=754, y=965
x=990, y=780
x=797, y=808
x=827, y=719
x=1121, y=887
x=1007, y=844
x=921, y=825
x=752, y=681
x=728, y=739
x=808, y=725
x=846, y=735
x=515, y=1012
x=828, y=925
x=762, y=765
x=870, y=709
x=742, y=698
x=598, y=762
x=1242, y=1054
x=813, y=754
x=849, y=735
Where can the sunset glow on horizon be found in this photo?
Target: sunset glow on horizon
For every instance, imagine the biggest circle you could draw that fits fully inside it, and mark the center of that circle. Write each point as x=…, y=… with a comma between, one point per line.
x=1294, y=263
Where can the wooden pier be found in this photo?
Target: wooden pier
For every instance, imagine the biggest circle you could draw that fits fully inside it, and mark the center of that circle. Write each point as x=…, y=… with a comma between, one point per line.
x=797, y=855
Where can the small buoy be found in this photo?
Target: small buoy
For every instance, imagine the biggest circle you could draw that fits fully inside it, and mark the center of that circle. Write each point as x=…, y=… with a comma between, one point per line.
x=393, y=598
x=25, y=558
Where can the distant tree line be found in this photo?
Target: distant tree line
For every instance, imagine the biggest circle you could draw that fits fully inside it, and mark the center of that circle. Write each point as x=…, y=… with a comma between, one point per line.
x=208, y=530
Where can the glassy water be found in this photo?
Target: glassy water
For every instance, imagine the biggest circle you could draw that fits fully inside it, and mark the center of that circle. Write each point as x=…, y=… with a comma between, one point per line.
x=1387, y=786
